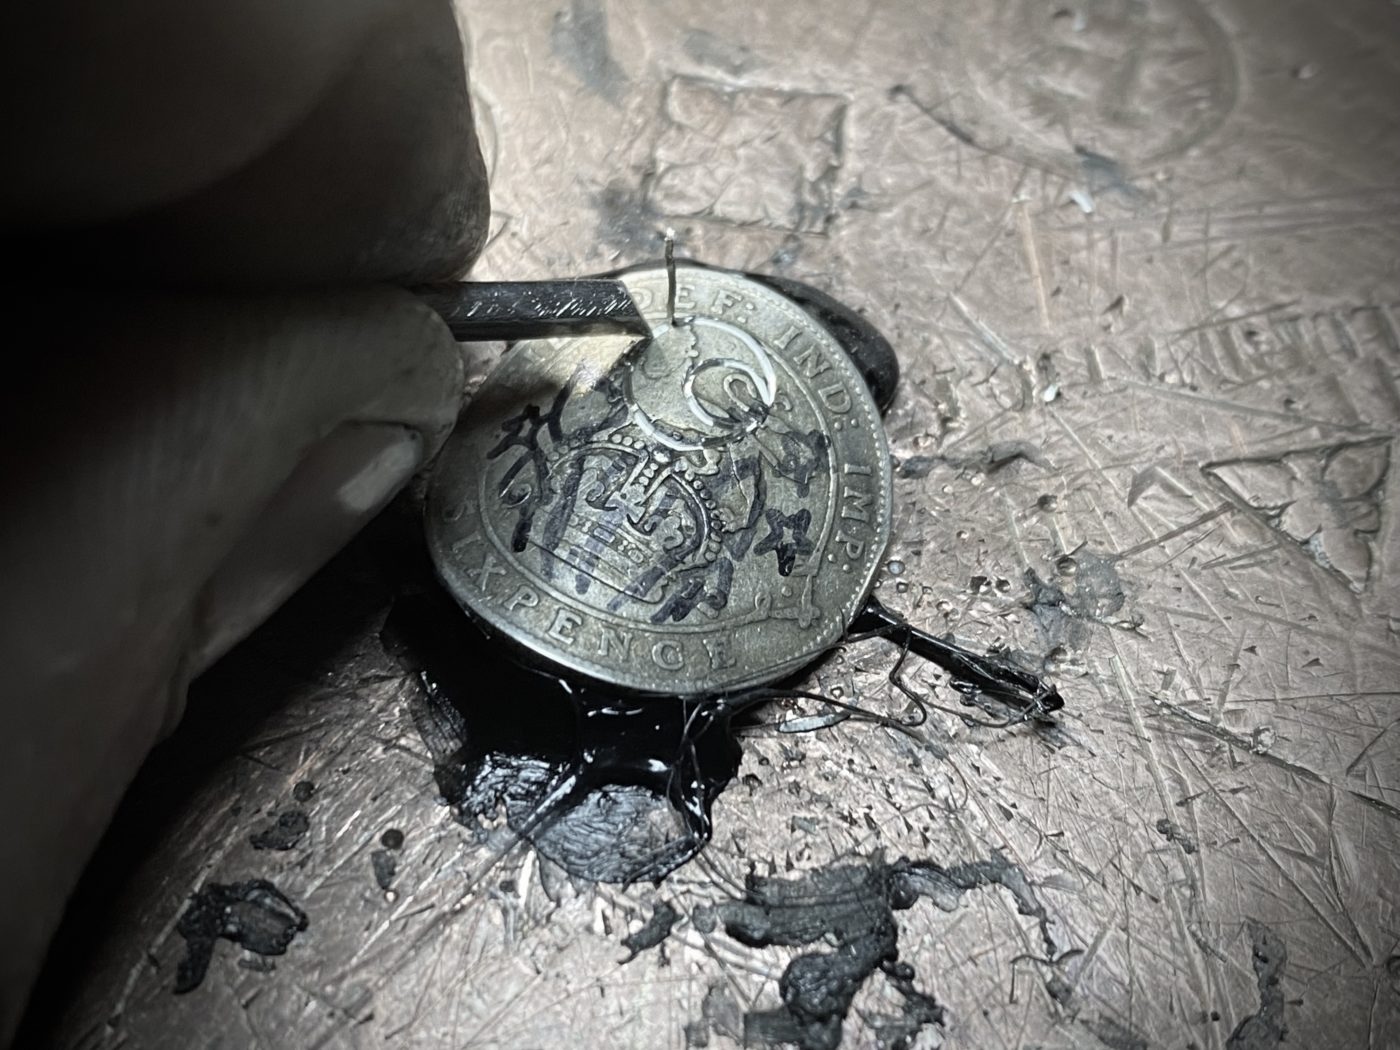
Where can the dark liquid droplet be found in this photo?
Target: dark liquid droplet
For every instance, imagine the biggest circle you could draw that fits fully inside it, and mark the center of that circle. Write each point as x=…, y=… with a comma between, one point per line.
x=609, y=787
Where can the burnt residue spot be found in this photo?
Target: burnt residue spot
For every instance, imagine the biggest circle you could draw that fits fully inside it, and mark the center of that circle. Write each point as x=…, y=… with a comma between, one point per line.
x=385, y=866
x=1173, y=832
x=719, y=1013
x=785, y=256
x=384, y=862
x=958, y=132
x=1059, y=989
x=1002, y=454
x=284, y=832
x=303, y=791
x=1065, y=612
x=656, y=929
x=611, y=789
x=993, y=459
x=254, y=914
x=1105, y=174
x=916, y=467
x=713, y=50
x=1115, y=1035
x=625, y=219
x=998, y=456
x=1265, y=1029
x=945, y=888
x=579, y=38
x=851, y=910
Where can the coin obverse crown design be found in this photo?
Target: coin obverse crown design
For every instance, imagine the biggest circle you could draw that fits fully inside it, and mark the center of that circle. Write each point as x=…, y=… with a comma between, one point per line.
x=693, y=514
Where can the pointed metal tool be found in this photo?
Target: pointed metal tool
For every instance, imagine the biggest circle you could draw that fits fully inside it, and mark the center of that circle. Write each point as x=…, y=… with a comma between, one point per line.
x=478, y=311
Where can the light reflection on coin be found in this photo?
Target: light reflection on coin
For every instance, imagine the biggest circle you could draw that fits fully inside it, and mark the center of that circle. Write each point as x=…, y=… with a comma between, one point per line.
x=701, y=515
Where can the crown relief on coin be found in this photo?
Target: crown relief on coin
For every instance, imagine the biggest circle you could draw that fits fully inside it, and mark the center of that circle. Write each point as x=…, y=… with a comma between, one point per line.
x=697, y=513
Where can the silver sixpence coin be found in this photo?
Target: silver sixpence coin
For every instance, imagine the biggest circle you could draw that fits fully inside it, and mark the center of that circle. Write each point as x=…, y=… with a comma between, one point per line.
x=695, y=514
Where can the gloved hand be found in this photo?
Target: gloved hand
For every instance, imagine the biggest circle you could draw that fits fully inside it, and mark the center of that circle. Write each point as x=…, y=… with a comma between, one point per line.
x=214, y=383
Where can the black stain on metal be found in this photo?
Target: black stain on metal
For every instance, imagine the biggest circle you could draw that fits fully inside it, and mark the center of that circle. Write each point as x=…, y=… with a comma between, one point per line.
x=945, y=887
x=579, y=38
x=916, y=467
x=1173, y=832
x=1265, y=1029
x=385, y=862
x=998, y=456
x=391, y=839
x=656, y=929
x=715, y=51
x=719, y=1013
x=850, y=909
x=1059, y=989
x=1115, y=1035
x=254, y=914
x=385, y=866
x=610, y=788
x=625, y=219
x=283, y=832
x=1105, y=173
x=303, y=791
x=958, y=132
x=1064, y=612
x=990, y=460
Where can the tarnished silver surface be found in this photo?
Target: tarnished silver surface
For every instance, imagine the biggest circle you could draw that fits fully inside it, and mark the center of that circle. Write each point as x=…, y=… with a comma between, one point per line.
x=701, y=514
x=1142, y=265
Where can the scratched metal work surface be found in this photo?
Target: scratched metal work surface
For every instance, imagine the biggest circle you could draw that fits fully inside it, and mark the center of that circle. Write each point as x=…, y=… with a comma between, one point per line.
x=1141, y=261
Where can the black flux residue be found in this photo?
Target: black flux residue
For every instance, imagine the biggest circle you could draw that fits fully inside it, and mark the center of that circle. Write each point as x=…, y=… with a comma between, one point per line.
x=657, y=928
x=1115, y=1035
x=1064, y=615
x=609, y=787
x=915, y=467
x=1173, y=832
x=974, y=675
x=1105, y=173
x=284, y=832
x=612, y=789
x=1265, y=1029
x=713, y=50
x=385, y=866
x=579, y=38
x=719, y=1013
x=990, y=460
x=851, y=908
x=383, y=861
x=254, y=914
